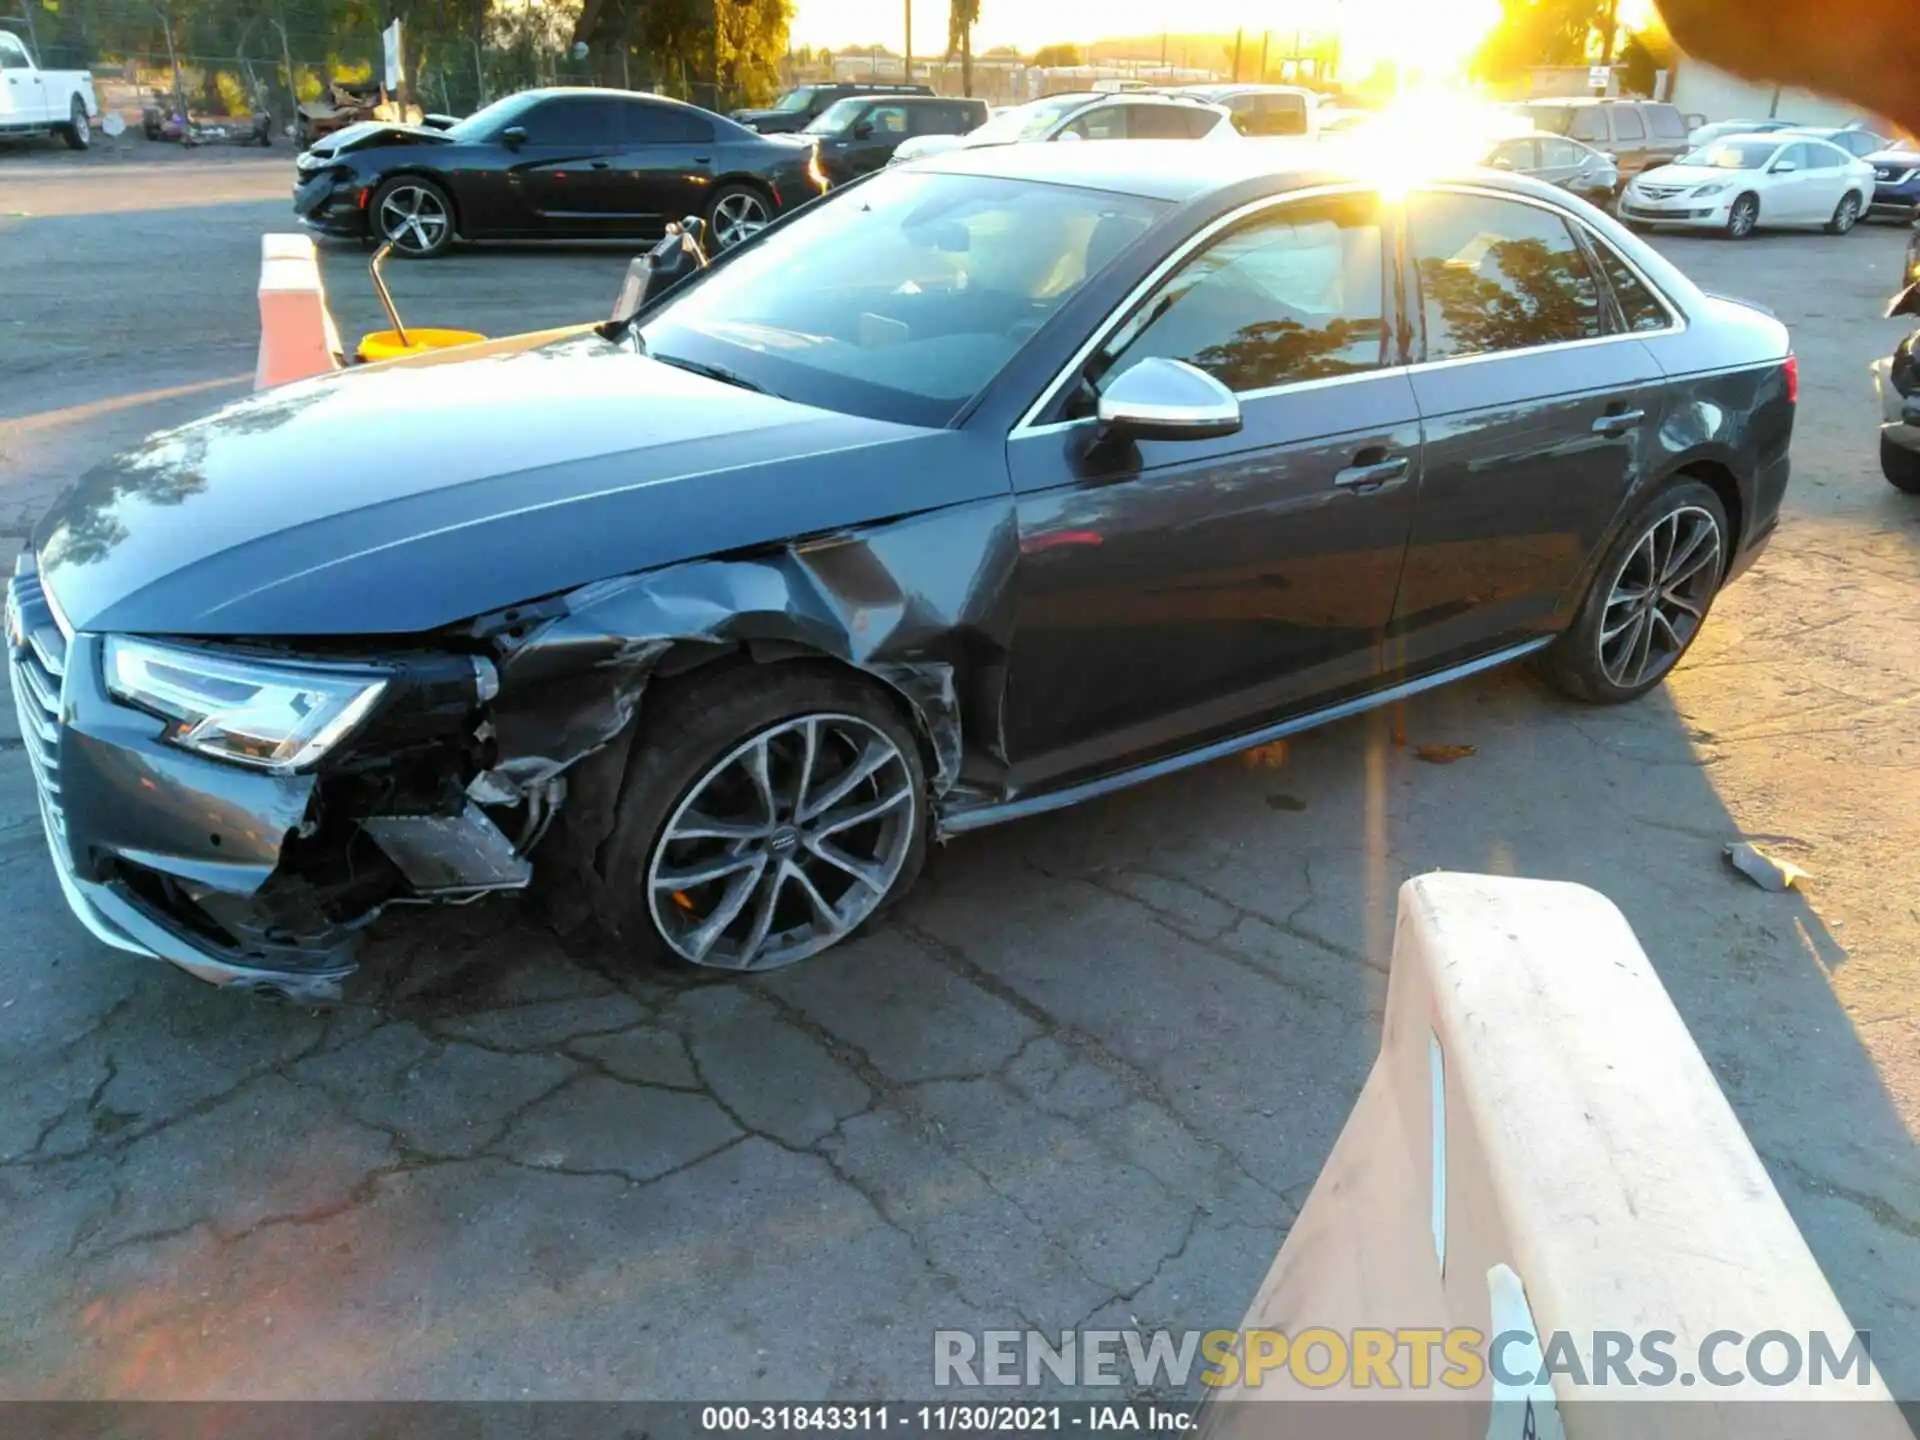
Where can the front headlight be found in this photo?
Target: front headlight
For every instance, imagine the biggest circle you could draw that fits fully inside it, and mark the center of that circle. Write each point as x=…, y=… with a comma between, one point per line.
x=1705, y=190
x=267, y=715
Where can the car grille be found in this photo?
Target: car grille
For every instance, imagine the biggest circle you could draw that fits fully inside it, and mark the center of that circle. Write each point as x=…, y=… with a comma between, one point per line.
x=1662, y=192
x=37, y=666
x=1893, y=175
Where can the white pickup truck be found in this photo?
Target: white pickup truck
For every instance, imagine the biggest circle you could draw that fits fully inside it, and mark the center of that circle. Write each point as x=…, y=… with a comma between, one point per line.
x=43, y=102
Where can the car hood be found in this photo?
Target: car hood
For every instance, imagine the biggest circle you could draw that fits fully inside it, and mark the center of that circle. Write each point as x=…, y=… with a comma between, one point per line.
x=1695, y=174
x=1900, y=159
x=401, y=499
x=368, y=134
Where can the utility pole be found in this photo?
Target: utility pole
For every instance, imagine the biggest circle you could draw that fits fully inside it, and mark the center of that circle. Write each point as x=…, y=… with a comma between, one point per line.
x=1238, y=35
x=1265, y=37
x=286, y=57
x=1611, y=25
x=906, y=55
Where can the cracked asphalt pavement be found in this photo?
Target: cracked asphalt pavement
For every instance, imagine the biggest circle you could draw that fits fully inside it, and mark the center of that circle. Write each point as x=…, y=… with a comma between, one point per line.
x=1086, y=1077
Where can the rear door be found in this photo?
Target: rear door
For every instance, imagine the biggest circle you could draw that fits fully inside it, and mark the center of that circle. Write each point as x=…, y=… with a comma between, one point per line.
x=23, y=97
x=1827, y=179
x=1536, y=409
x=1793, y=195
x=660, y=169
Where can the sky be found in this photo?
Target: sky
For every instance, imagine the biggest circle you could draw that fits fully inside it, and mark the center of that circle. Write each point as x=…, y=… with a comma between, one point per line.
x=1432, y=33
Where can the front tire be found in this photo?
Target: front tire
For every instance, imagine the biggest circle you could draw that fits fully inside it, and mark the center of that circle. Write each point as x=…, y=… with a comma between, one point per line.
x=1744, y=217
x=738, y=213
x=1846, y=214
x=415, y=214
x=78, y=131
x=766, y=814
x=1900, y=465
x=1649, y=598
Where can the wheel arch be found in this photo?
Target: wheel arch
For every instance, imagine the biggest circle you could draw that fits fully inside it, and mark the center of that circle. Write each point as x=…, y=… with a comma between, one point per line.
x=415, y=171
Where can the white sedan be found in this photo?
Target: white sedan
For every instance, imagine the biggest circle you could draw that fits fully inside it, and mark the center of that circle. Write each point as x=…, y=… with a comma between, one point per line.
x=1085, y=115
x=1740, y=182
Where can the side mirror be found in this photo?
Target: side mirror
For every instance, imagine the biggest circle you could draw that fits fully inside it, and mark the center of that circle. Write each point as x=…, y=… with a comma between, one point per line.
x=1501, y=162
x=1785, y=167
x=514, y=136
x=1161, y=399
x=863, y=130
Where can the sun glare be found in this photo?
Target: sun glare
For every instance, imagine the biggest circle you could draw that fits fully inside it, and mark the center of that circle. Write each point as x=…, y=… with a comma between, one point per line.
x=1432, y=40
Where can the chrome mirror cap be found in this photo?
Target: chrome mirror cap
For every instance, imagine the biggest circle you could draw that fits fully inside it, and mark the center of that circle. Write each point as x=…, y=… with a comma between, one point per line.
x=1161, y=399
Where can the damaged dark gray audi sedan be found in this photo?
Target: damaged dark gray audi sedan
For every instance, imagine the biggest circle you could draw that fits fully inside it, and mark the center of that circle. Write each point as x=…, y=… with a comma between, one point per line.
x=979, y=488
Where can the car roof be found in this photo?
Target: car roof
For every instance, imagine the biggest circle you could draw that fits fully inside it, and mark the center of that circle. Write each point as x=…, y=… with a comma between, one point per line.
x=1178, y=170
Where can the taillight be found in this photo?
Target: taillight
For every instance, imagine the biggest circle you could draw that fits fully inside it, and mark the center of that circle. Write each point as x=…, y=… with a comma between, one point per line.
x=1792, y=369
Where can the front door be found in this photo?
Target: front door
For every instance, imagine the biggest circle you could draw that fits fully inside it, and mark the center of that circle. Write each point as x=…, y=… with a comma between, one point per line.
x=1173, y=590
x=22, y=96
x=1536, y=419
x=872, y=139
x=561, y=170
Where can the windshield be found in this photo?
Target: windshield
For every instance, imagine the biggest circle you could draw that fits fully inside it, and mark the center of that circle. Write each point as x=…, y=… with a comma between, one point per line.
x=1732, y=155
x=488, y=121
x=1023, y=122
x=794, y=100
x=899, y=301
x=836, y=117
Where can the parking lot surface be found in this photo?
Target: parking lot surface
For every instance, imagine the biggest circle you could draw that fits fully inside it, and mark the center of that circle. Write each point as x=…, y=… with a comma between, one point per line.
x=1088, y=1074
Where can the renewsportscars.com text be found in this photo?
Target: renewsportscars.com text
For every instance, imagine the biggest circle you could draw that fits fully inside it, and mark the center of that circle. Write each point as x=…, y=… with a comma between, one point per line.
x=1412, y=1358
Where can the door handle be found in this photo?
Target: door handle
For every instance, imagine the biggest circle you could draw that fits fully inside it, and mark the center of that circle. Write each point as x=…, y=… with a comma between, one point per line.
x=1619, y=422
x=597, y=165
x=701, y=159
x=1364, y=478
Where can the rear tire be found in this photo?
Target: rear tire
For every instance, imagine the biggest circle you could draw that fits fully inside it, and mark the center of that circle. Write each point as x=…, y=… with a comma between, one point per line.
x=1649, y=598
x=78, y=131
x=1846, y=214
x=786, y=868
x=738, y=213
x=1900, y=465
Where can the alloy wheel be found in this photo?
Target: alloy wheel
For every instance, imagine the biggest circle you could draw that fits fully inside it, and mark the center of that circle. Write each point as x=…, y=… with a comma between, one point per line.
x=1746, y=214
x=1659, y=597
x=1848, y=215
x=739, y=216
x=784, y=845
x=413, y=218
x=82, y=127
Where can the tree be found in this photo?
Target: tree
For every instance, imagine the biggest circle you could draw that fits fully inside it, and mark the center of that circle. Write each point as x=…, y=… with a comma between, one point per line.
x=1049, y=57
x=1539, y=32
x=1646, y=53
x=962, y=16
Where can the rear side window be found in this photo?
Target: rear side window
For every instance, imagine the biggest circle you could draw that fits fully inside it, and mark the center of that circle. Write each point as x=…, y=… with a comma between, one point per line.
x=1498, y=275
x=1627, y=124
x=1639, y=308
x=645, y=124
x=1559, y=152
x=1278, y=115
x=1108, y=122
x=1291, y=296
x=1666, y=123
x=1163, y=122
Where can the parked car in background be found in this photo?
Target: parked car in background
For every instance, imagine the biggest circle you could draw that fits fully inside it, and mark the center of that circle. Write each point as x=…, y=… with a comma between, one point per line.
x=1742, y=182
x=1578, y=168
x=1087, y=116
x=553, y=164
x=859, y=134
x=1707, y=134
x=804, y=104
x=1896, y=383
x=1896, y=183
x=1639, y=134
x=43, y=102
x=1016, y=477
x=1262, y=109
x=1854, y=139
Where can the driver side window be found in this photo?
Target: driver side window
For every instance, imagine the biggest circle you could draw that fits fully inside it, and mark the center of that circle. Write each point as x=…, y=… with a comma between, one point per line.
x=1296, y=294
